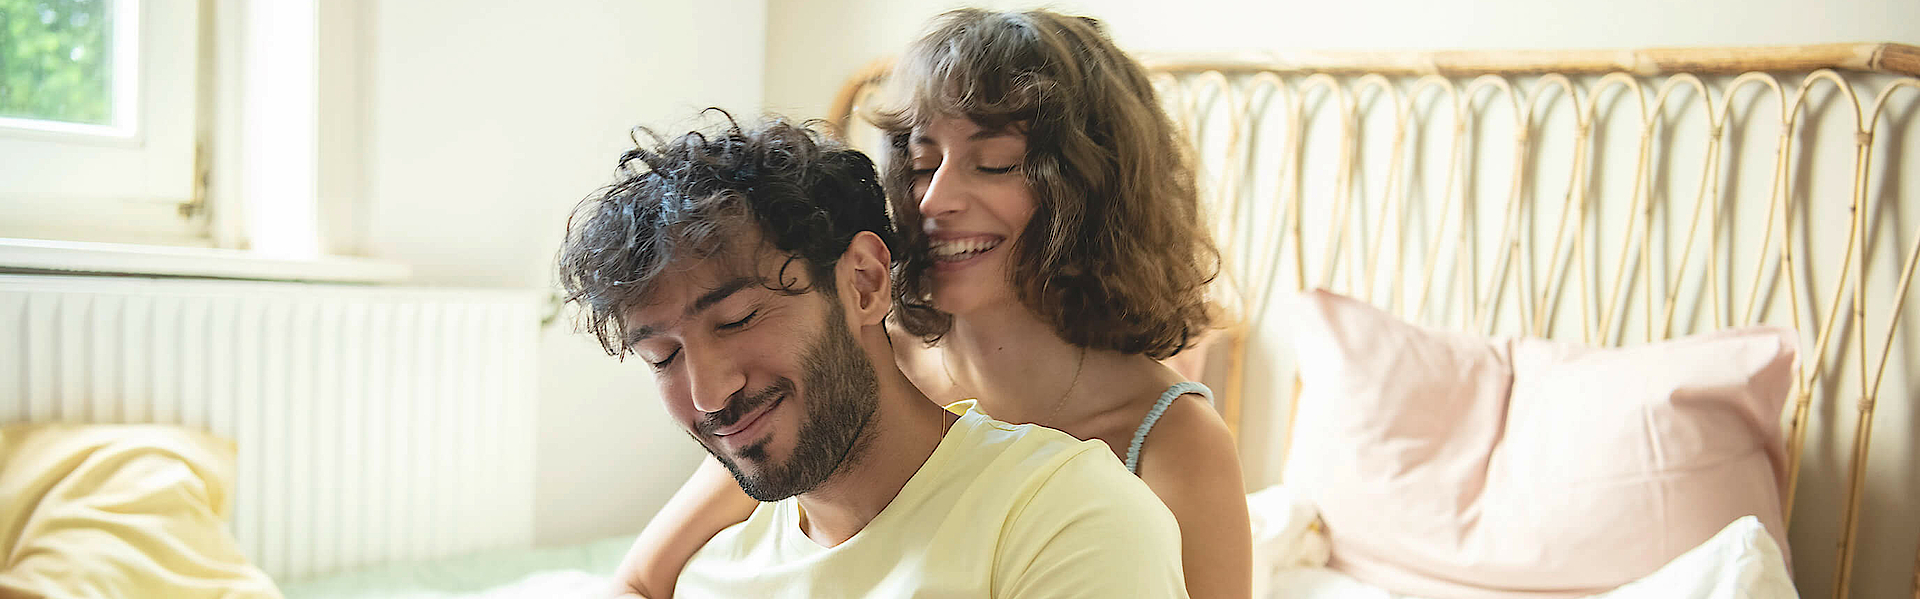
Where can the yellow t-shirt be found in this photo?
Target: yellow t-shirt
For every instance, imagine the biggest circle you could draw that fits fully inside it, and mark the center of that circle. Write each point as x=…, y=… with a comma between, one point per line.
x=998, y=510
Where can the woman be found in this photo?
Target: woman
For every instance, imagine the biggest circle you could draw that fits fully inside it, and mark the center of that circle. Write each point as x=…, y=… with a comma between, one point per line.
x=1054, y=253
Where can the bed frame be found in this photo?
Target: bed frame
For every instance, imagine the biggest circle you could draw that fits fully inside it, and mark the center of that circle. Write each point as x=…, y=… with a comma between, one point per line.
x=1541, y=193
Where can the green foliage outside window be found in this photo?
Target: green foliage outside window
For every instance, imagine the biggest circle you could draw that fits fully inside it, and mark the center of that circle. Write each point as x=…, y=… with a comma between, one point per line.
x=56, y=61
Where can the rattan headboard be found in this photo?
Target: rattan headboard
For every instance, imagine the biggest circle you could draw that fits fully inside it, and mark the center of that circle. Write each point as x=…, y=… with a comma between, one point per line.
x=1603, y=196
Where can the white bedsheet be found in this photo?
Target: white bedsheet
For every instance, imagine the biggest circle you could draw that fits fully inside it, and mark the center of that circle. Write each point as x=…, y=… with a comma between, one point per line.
x=565, y=571
x=539, y=585
x=1290, y=554
x=555, y=584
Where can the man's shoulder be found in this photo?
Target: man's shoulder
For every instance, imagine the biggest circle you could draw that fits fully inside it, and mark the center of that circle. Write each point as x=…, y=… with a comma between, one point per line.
x=1026, y=452
x=1090, y=482
x=1054, y=473
x=1078, y=517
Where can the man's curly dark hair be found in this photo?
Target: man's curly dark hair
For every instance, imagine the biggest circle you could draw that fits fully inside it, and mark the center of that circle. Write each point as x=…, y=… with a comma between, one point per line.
x=689, y=197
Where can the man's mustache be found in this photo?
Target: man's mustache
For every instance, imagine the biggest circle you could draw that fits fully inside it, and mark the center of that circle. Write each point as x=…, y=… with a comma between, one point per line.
x=740, y=405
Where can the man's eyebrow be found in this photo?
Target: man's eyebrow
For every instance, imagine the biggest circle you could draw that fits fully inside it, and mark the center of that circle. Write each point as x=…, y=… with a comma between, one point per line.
x=637, y=335
x=706, y=300
x=718, y=294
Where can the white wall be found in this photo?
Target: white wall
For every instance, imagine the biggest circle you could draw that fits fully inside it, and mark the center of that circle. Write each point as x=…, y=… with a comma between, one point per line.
x=862, y=30
x=480, y=124
x=801, y=64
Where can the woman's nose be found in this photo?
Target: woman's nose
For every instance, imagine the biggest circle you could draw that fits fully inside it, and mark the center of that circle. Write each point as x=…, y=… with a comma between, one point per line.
x=945, y=193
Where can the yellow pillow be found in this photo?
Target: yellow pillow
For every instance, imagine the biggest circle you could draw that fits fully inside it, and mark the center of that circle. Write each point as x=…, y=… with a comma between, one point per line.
x=119, y=511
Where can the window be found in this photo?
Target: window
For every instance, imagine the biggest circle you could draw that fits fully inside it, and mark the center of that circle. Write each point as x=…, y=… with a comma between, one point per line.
x=99, y=120
x=60, y=71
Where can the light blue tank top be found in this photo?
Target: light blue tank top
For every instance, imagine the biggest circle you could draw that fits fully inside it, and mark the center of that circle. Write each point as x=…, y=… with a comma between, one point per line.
x=1153, y=416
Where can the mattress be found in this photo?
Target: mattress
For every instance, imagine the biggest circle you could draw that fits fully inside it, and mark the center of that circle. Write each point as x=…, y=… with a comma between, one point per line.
x=570, y=570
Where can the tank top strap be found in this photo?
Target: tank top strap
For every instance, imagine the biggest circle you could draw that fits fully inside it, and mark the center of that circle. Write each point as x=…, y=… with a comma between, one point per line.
x=1153, y=416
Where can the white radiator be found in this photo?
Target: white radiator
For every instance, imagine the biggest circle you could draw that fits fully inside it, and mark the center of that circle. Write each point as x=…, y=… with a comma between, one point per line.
x=373, y=424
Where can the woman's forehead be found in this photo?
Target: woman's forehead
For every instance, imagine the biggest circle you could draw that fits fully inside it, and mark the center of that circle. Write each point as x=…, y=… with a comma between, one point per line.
x=955, y=129
x=966, y=133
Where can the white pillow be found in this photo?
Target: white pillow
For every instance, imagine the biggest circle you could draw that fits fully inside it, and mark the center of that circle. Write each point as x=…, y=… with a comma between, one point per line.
x=1740, y=562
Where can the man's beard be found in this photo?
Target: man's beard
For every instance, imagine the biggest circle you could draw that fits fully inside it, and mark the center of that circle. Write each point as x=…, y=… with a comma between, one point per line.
x=842, y=394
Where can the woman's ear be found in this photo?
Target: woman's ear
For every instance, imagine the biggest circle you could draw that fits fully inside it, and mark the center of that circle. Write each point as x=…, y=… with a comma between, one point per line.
x=865, y=279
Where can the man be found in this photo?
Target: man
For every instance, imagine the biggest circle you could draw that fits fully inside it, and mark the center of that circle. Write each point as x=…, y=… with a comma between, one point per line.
x=750, y=269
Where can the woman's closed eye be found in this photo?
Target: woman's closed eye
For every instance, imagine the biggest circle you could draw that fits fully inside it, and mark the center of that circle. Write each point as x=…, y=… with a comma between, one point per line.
x=985, y=170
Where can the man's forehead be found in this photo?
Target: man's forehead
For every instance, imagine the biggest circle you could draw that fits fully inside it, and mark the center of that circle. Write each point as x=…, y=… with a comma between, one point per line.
x=692, y=285
x=685, y=281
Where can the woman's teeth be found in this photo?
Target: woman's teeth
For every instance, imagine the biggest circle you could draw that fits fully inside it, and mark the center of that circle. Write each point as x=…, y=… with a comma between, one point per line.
x=961, y=249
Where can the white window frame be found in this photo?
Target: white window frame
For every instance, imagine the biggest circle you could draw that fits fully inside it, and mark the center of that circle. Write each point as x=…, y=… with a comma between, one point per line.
x=131, y=181
x=258, y=160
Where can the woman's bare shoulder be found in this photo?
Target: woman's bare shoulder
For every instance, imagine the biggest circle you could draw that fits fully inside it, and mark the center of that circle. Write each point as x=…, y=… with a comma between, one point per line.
x=1190, y=463
x=1191, y=445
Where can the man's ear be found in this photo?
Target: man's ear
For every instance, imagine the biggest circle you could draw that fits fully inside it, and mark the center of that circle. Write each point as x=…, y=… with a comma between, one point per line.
x=864, y=279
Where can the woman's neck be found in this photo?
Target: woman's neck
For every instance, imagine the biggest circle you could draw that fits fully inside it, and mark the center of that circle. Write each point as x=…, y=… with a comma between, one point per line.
x=1022, y=371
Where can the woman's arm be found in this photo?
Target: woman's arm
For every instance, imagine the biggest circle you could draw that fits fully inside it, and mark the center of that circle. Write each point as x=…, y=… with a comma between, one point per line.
x=709, y=502
x=1190, y=463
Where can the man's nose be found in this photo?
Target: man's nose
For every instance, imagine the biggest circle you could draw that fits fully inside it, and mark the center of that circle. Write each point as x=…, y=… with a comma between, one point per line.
x=714, y=378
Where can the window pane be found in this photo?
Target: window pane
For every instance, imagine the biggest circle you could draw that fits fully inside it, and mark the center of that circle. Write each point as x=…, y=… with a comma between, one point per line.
x=56, y=60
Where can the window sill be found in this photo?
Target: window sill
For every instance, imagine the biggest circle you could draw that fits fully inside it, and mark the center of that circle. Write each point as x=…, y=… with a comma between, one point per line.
x=74, y=257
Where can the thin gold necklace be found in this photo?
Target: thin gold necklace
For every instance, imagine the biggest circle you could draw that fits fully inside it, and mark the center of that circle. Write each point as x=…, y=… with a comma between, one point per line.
x=1081, y=365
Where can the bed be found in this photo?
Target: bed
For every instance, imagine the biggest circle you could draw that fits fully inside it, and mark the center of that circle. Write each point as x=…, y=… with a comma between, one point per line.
x=1607, y=199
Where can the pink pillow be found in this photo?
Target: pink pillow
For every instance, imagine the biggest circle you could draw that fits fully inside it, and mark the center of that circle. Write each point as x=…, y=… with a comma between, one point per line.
x=1449, y=465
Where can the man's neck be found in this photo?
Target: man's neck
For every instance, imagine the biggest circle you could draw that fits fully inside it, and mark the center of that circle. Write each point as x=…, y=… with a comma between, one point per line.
x=902, y=434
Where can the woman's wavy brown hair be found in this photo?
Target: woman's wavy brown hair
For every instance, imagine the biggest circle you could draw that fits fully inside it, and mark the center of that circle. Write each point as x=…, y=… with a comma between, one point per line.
x=1115, y=256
